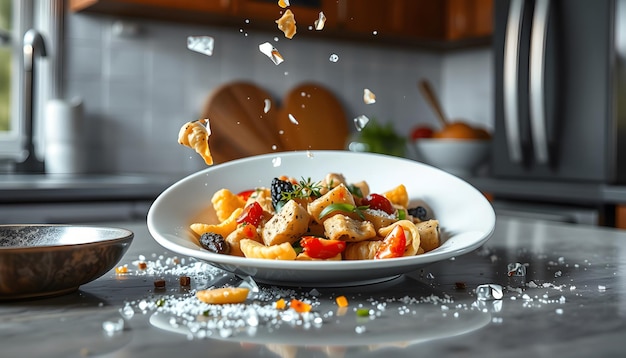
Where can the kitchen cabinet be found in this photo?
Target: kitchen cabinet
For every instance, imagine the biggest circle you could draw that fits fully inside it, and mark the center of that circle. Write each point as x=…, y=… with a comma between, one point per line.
x=404, y=22
x=306, y=11
x=467, y=19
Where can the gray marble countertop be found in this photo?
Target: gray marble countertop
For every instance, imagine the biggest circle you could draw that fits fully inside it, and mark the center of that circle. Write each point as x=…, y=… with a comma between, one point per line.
x=572, y=303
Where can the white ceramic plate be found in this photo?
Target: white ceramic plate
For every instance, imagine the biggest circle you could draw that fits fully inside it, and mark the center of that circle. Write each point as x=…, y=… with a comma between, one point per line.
x=466, y=218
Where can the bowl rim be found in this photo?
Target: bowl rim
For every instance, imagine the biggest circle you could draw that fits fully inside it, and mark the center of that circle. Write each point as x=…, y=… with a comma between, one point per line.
x=125, y=235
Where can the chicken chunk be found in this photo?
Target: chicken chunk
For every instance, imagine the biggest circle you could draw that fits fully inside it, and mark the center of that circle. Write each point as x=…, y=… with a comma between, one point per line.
x=287, y=226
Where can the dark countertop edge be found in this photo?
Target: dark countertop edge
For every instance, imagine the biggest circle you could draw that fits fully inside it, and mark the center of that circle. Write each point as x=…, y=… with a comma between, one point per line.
x=552, y=191
x=21, y=189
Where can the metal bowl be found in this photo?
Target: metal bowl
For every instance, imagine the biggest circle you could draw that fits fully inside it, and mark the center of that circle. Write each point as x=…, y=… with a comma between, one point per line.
x=47, y=260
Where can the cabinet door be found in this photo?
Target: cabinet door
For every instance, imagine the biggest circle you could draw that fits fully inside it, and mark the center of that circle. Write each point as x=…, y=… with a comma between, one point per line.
x=305, y=11
x=136, y=7
x=417, y=19
x=469, y=19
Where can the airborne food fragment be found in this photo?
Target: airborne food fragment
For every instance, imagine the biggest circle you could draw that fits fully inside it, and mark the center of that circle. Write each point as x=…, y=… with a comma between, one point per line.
x=283, y=3
x=267, y=106
x=360, y=122
x=333, y=57
x=368, y=96
x=287, y=24
x=270, y=51
x=195, y=135
x=201, y=44
x=321, y=20
x=293, y=119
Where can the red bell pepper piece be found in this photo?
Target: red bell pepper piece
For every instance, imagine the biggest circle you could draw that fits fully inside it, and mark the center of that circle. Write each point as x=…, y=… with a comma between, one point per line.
x=252, y=214
x=393, y=245
x=320, y=248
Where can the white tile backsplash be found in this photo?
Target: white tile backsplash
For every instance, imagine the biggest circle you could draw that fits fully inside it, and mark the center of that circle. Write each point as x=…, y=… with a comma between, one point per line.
x=138, y=90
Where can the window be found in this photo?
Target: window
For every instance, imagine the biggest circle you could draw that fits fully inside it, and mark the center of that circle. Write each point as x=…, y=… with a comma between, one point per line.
x=16, y=17
x=5, y=64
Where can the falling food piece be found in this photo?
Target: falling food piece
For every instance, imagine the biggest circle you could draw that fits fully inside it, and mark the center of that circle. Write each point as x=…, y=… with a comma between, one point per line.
x=270, y=51
x=268, y=105
x=195, y=135
x=287, y=24
x=321, y=20
x=333, y=57
x=368, y=96
x=201, y=44
x=293, y=119
x=283, y=3
x=360, y=122
x=223, y=295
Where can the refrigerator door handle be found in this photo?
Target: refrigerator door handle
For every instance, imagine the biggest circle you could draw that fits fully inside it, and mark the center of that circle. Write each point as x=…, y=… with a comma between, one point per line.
x=511, y=80
x=537, y=89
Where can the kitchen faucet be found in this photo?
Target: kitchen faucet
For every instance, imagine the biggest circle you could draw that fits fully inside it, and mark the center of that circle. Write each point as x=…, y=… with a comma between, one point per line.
x=33, y=45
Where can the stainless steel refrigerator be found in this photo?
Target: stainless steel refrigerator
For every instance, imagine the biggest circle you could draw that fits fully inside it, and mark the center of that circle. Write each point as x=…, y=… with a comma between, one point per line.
x=560, y=111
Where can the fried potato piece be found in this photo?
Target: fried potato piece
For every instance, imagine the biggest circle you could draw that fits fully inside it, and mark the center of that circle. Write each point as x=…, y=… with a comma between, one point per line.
x=225, y=202
x=195, y=135
x=344, y=228
x=364, y=250
x=398, y=196
x=255, y=250
x=223, y=295
x=224, y=228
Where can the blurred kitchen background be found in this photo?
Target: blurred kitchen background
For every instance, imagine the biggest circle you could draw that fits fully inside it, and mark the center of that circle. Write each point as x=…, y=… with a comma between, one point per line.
x=122, y=72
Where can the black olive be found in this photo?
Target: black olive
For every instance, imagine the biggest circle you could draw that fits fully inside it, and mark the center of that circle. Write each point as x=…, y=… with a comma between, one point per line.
x=419, y=212
x=214, y=242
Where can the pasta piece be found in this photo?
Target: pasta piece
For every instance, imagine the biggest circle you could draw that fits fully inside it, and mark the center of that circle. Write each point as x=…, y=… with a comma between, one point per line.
x=287, y=226
x=240, y=233
x=363, y=187
x=413, y=238
x=263, y=197
x=339, y=194
x=379, y=218
x=224, y=228
x=364, y=250
x=344, y=228
x=429, y=233
x=223, y=295
x=195, y=135
x=225, y=202
x=256, y=250
x=398, y=196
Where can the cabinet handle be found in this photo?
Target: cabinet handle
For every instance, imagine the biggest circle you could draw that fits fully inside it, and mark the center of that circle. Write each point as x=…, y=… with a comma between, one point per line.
x=537, y=89
x=511, y=79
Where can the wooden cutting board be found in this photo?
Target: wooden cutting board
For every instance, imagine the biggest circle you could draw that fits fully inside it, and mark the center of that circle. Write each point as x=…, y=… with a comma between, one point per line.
x=240, y=126
x=243, y=124
x=312, y=118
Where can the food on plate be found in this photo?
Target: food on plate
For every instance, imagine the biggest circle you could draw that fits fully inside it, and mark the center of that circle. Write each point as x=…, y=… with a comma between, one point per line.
x=331, y=219
x=195, y=135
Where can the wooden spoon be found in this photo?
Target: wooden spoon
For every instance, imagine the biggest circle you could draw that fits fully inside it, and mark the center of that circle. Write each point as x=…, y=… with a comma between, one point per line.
x=428, y=92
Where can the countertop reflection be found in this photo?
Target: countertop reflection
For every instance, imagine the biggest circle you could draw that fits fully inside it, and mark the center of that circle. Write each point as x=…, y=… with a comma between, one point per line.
x=572, y=303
